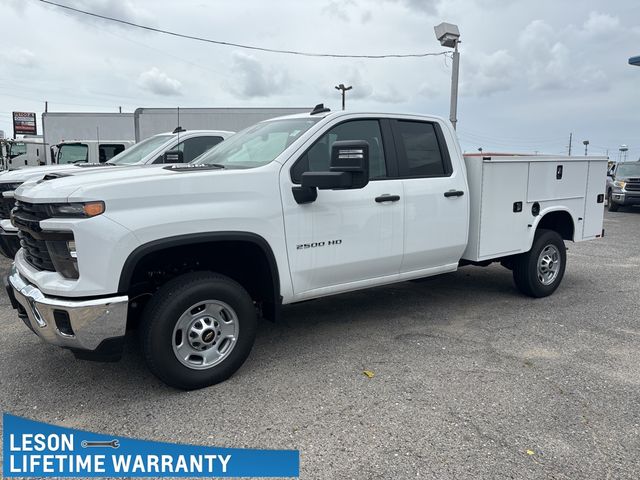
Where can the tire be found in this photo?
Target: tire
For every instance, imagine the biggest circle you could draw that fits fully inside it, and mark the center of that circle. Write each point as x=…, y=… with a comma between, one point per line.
x=538, y=272
x=612, y=206
x=197, y=330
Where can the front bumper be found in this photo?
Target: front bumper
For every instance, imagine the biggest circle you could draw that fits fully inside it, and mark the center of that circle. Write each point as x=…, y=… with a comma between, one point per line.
x=626, y=197
x=9, y=241
x=81, y=325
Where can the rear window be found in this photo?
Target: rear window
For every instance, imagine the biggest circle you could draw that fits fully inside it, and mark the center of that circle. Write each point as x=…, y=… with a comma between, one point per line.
x=107, y=151
x=418, y=144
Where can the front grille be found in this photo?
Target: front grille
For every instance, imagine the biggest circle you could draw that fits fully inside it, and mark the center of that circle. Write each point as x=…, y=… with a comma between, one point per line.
x=27, y=216
x=6, y=204
x=36, y=251
x=634, y=187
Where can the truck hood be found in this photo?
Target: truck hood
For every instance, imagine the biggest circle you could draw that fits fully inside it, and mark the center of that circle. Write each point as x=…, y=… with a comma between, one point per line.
x=103, y=184
x=29, y=173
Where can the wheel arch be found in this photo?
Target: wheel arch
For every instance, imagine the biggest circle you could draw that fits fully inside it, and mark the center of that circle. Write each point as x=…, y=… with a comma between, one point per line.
x=559, y=220
x=264, y=285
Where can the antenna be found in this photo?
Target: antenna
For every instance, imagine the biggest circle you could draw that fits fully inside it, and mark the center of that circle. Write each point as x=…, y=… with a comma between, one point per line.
x=179, y=128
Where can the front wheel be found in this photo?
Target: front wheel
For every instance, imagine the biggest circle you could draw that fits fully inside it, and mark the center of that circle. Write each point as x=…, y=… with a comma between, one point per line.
x=197, y=330
x=539, y=272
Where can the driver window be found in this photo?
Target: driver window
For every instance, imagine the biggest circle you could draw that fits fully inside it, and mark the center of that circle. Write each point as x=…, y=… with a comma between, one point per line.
x=317, y=158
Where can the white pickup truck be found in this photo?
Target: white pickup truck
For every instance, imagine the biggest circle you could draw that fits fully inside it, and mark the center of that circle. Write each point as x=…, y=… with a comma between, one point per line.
x=290, y=209
x=182, y=146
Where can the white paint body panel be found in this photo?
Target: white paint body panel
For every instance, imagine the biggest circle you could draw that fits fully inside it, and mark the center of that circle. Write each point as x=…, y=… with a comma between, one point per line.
x=496, y=183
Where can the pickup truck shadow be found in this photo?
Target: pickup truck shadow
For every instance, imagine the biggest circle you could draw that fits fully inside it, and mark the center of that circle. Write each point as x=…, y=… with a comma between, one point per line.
x=331, y=323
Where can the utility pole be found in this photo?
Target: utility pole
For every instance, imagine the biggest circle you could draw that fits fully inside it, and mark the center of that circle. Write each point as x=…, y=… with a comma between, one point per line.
x=570, y=139
x=342, y=88
x=586, y=146
x=46, y=106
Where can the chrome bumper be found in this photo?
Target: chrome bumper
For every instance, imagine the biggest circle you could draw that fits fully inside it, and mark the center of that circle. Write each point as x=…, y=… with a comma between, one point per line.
x=76, y=324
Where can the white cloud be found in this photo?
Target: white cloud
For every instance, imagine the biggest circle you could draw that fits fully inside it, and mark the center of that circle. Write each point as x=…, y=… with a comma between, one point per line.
x=488, y=74
x=601, y=24
x=120, y=9
x=21, y=57
x=159, y=83
x=253, y=79
x=551, y=64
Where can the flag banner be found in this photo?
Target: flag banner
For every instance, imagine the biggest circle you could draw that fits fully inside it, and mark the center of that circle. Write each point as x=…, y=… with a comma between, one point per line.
x=36, y=449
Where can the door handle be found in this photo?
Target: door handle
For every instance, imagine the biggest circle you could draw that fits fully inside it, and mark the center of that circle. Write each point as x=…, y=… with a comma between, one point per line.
x=387, y=198
x=454, y=193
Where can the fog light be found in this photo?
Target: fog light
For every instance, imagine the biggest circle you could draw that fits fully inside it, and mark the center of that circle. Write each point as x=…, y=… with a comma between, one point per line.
x=71, y=246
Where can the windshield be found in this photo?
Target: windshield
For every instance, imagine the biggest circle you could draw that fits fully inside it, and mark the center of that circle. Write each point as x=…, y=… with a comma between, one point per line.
x=73, y=153
x=16, y=149
x=140, y=150
x=629, y=170
x=257, y=145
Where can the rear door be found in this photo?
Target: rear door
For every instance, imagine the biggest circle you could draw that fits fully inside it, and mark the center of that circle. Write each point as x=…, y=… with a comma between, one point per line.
x=435, y=197
x=345, y=239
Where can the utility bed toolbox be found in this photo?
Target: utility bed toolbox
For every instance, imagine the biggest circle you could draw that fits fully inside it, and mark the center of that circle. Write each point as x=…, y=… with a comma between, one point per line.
x=510, y=194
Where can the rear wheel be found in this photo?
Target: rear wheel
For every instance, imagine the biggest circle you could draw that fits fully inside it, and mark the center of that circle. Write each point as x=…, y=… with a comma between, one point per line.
x=613, y=207
x=538, y=272
x=197, y=330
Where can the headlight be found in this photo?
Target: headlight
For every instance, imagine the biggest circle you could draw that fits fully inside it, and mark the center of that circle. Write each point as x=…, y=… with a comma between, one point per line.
x=619, y=184
x=86, y=209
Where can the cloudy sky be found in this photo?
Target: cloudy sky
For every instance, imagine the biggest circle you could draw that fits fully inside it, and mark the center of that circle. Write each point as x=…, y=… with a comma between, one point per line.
x=531, y=72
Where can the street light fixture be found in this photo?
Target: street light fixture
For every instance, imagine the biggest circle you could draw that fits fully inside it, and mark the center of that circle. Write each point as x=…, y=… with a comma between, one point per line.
x=586, y=146
x=343, y=89
x=635, y=61
x=448, y=35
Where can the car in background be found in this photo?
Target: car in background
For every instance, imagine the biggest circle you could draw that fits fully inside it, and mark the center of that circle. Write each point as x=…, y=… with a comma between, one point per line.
x=180, y=145
x=623, y=185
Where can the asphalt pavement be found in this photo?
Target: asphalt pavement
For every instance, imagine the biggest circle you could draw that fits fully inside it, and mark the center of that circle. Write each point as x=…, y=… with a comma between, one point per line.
x=470, y=378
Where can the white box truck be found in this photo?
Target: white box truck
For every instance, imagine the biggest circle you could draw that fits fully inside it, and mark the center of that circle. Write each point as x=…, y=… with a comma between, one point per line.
x=58, y=127
x=150, y=121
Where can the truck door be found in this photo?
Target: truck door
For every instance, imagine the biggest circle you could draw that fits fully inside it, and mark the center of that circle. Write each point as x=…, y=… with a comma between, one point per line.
x=436, y=198
x=345, y=239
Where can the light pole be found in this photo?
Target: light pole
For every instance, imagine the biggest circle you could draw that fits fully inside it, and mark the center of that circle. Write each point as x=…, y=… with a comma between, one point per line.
x=448, y=35
x=343, y=89
x=586, y=146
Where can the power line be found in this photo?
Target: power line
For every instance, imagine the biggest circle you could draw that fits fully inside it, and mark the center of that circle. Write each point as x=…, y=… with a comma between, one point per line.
x=239, y=45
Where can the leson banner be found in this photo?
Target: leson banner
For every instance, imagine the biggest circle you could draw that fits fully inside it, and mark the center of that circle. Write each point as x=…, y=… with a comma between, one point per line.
x=35, y=449
x=24, y=123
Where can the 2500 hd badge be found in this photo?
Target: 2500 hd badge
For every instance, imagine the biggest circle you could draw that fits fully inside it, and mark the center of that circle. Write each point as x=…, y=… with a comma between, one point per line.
x=304, y=246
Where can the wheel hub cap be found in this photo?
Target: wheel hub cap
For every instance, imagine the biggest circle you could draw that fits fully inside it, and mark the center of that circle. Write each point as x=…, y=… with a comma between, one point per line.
x=205, y=334
x=548, y=264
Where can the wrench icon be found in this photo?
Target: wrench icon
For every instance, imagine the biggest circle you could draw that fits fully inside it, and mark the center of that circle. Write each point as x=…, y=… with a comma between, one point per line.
x=112, y=444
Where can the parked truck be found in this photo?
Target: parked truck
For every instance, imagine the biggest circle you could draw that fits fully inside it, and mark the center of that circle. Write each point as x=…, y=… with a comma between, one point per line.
x=60, y=127
x=623, y=185
x=290, y=209
x=89, y=151
x=25, y=152
x=181, y=145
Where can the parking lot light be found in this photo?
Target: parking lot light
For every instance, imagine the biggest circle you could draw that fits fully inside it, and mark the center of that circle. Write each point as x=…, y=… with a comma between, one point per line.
x=448, y=35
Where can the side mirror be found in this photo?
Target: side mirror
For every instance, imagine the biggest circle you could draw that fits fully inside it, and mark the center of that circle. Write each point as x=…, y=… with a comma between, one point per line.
x=173, y=156
x=349, y=167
